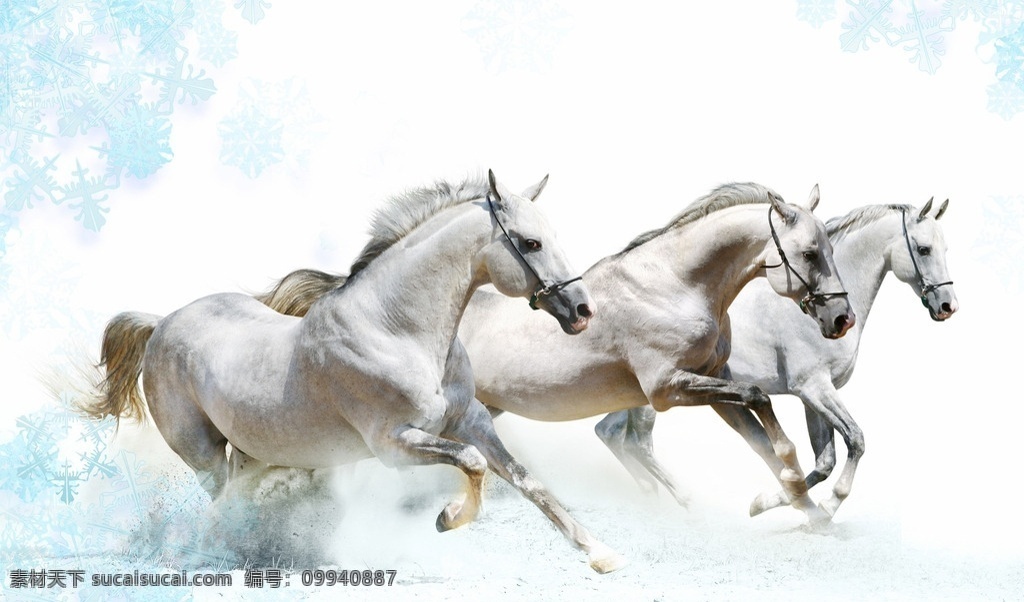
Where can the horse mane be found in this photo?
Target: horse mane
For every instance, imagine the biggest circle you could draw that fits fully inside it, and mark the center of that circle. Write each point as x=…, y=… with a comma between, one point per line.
x=405, y=212
x=838, y=227
x=723, y=197
x=295, y=293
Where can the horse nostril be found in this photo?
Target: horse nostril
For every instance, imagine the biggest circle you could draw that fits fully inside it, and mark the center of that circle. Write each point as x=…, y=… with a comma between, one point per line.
x=841, y=321
x=584, y=310
x=946, y=308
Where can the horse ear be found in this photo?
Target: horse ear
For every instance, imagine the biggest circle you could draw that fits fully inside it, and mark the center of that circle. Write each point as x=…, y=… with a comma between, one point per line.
x=534, y=191
x=942, y=209
x=812, y=200
x=492, y=191
x=924, y=210
x=781, y=207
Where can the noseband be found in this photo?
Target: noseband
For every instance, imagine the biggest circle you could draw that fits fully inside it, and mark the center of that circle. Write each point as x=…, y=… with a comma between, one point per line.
x=925, y=287
x=811, y=297
x=542, y=289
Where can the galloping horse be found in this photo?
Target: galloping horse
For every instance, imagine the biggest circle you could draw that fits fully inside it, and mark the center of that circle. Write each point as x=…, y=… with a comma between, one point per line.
x=662, y=337
x=372, y=369
x=779, y=352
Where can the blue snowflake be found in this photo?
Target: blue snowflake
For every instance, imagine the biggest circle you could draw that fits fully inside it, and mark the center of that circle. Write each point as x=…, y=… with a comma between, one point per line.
x=252, y=10
x=86, y=197
x=921, y=27
x=816, y=12
x=273, y=121
x=517, y=34
x=55, y=451
x=251, y=141
x=220, y=45
x=1010, y=58
x=1005, y=100
x=31, y=181
x=920, y=31
x=139, y=143
x=76, y=73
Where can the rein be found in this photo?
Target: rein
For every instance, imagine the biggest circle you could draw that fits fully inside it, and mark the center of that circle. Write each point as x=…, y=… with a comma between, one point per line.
x=925, y=287
x=811, y=297
x=542, y=289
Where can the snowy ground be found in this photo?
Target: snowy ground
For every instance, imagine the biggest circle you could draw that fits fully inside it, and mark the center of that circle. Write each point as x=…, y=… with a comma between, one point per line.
x=369, y=517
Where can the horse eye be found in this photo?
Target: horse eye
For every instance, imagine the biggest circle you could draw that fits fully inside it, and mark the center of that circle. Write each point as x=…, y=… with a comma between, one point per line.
x=924, y=250
x=532, y=244
x=811, y=255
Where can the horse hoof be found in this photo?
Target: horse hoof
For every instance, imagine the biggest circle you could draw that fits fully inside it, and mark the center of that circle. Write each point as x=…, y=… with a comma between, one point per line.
x=759, y=505
x=827, y=509
x=448, y=519
x=605, y=560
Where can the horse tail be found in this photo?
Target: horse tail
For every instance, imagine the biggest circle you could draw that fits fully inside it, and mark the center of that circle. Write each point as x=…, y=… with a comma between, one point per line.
x=124, y=345
x=295, y=293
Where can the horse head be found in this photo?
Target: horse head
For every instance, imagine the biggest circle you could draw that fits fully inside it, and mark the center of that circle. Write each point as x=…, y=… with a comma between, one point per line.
x=524, y=259
x=809, y=277
x=918, y=258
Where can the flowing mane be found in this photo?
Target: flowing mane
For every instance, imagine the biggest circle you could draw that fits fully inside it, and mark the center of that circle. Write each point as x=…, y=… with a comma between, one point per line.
x=404, y=213
x=726, y=195
x=838, y=227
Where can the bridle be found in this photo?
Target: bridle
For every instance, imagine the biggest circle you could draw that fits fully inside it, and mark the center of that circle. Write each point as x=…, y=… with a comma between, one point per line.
x=811, y=297
x=542, y=289
x=925, y=287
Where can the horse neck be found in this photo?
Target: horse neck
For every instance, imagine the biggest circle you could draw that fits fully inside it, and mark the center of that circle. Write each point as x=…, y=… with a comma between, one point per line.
x=860, y=258
x=716, y=255
x=421, y=285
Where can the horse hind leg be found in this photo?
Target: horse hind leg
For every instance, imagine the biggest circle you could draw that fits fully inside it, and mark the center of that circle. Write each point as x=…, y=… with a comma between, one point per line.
x=412, y=446
x=190, y=434
x=612, y=430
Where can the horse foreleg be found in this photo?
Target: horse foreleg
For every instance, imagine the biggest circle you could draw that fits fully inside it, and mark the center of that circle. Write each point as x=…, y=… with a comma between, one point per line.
x=825, y=458
x=826, y=414
x=824, y=401
x=689, y=389
x=415, y=446
x=476, y=428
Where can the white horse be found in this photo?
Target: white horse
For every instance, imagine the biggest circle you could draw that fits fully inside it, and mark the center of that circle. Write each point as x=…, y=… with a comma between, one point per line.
x=662, y=337
x=781, y=353
x=371, y=369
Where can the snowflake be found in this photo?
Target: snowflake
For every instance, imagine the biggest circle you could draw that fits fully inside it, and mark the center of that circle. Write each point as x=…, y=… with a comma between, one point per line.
x=517, y=34
x=101, y=70
x=816, y=12
x=31, y=182
x=975, y=10
x=220, y=46
x=86, y=197
x=139, y=143
x=37, y=289
x=55, y=451
x=1005, y=100
x=1000, y=240
x=920, y=31
x=251, y=141
x=273, y=121
x=1010, y=58
x=252, y=10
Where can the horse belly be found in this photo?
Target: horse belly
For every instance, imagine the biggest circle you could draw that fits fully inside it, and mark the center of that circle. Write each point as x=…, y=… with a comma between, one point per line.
x=566, y=397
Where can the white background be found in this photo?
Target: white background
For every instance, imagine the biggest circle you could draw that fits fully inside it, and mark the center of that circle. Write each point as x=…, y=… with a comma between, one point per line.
x=634, y=113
